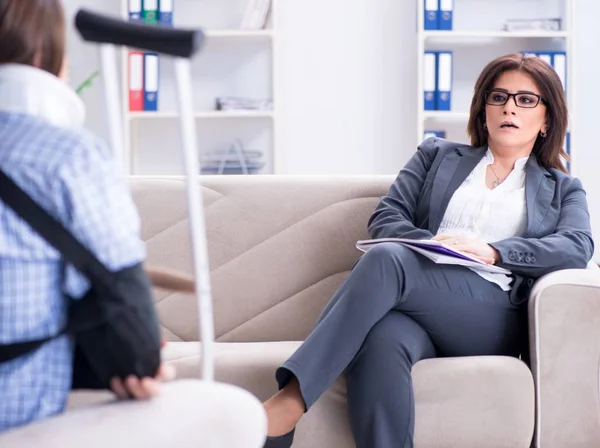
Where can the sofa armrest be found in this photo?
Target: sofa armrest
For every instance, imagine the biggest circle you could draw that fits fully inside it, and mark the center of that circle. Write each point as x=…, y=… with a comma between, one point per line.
x=564, y=334
x=187, y=413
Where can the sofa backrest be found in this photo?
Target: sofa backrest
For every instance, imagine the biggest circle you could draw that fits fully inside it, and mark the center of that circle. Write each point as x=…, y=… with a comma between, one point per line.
x=279, y=247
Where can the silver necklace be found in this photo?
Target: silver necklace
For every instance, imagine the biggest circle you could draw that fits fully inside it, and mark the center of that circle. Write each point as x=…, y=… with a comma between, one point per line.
x=496, y=182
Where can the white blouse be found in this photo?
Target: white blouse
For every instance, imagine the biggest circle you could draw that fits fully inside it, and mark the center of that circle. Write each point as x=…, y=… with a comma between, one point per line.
x=490, y=215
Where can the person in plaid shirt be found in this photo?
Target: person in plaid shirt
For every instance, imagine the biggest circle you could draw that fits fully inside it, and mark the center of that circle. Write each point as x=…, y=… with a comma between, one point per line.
x=72, y=174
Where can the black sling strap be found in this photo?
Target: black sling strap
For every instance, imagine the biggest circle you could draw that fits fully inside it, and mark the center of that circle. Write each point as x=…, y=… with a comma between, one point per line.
x=58, y=237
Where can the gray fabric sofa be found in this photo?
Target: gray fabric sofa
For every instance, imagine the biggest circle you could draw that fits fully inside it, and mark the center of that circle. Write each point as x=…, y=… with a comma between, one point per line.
x=280, y=246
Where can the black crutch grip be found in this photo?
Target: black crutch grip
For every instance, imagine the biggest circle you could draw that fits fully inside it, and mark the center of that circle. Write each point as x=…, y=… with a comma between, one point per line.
x=101, y=28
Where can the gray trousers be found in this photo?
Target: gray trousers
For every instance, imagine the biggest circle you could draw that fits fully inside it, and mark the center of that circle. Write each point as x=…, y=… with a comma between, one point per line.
x=395, y=308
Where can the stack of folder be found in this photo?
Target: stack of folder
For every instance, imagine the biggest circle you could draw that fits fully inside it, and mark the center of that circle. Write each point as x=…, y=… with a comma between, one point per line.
x=143, y=67
x=437, y=80
x=242, y=103
x=438, y=14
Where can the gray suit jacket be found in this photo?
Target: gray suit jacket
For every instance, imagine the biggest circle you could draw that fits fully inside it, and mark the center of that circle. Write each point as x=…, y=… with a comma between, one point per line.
x=558, y=233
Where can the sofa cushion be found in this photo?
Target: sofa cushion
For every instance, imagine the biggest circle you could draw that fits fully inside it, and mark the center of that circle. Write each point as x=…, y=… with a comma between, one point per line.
x=300, y=230
x=188, y=413
x=485, y=401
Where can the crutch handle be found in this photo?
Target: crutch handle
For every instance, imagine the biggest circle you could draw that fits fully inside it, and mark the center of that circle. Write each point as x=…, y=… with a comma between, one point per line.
x=100, y=28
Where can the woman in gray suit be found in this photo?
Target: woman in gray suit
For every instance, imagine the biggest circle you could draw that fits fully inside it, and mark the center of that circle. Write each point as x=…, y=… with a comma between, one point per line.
x=505, y=199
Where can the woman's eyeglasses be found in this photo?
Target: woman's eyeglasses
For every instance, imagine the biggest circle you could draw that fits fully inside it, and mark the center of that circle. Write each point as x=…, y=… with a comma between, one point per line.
x=526, y=100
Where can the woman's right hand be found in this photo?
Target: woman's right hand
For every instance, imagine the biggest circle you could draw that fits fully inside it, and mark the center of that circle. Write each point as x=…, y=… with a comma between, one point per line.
x=142, y=388
x=472, y=246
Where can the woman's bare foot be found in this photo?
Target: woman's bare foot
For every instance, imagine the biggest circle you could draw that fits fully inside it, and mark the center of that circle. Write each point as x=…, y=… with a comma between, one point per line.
x=284, y=409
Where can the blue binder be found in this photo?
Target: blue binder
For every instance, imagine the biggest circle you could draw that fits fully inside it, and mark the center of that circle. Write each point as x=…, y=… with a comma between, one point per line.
x=151, y=81
x=444, y=80
x=556, y=59
x=559, y=63
x=429, y=80
x=165, y=12
x=431, y=14
x=545, y=56
x=568, y=150
x=134, y=9
x=445, y=14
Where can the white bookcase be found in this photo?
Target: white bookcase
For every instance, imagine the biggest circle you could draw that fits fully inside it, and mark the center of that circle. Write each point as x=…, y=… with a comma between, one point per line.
x=234, y=62
x=476, y=38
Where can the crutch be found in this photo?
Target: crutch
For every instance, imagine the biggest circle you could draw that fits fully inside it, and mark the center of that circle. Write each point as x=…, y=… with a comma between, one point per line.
x=182, y=45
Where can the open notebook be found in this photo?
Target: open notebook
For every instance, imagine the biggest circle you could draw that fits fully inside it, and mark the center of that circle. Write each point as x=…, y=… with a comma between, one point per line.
x=436, y=251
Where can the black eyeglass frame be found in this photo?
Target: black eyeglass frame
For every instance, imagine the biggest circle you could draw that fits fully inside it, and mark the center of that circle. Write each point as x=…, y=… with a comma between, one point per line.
x=514, y=97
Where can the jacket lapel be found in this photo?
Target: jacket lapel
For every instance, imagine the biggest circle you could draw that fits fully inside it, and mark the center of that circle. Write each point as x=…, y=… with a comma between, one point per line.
x=539, y=191
x=453, y=170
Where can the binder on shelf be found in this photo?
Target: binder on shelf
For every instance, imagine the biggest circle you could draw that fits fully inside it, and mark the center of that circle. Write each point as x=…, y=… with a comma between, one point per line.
x=444, y=80
x=431, y=14
x=445, y=15
x=150, y=12
x=546, y=57
x=559, y=62
x=134, y=9
x=136, y=81
x=429, y=80
x=567, y=146
x=151, y=81
x=543, y=55
x=556, y=59
x=165, y=12
x=434, y=133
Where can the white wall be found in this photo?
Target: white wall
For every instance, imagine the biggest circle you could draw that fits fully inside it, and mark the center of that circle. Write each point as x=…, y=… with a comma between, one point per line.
x=84, y=59
x=347, y=77
x=586, y=79
x=347, y=68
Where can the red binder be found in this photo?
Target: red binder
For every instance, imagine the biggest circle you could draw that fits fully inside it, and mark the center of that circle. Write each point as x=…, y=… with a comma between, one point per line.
x=136, y=81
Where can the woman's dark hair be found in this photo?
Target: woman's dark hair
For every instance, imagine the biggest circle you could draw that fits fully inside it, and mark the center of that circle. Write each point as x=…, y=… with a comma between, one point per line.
x=32, y=32
x=549, y=149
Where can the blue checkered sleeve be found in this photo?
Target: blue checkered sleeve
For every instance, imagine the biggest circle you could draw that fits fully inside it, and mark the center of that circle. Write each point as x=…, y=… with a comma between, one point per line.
x=72, y=175
x=102, y=215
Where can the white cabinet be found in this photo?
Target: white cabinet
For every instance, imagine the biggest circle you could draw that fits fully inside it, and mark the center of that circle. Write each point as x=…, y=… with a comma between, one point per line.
x=477, y=36
x=234, y=62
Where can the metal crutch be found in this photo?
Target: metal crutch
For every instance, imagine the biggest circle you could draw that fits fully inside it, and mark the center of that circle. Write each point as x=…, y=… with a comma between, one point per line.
x=182, y=45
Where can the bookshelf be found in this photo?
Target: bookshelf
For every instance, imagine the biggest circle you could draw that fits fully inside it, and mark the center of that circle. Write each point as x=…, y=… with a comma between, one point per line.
x=234, y=62
x=477, y=36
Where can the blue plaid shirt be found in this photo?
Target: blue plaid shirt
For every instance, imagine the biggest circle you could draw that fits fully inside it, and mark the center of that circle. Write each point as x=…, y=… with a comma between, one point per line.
x=71, y=174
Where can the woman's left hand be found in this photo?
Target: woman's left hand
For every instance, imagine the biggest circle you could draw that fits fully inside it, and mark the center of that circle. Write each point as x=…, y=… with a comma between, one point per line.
x=477, y=248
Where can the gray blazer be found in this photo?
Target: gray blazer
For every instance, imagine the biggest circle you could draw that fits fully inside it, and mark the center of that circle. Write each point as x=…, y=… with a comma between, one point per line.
x=558, y=233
